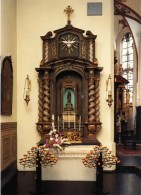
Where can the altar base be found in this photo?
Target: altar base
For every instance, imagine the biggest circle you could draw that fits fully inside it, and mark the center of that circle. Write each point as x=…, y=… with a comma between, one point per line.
x=69, y=166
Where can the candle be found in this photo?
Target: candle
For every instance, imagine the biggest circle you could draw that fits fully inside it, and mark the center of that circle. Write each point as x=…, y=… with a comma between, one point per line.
x=63, y=121
x=106, y=89
x=74, y=121
x=58, y=122
x=109, y=83
x=52, y=120
x=79, y=122
x=109, y=93
x=68, y=120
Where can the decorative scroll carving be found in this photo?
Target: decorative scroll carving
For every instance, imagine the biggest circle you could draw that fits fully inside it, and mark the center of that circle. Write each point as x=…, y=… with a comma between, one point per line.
x=97, y=101
x=53, y=50
x=83, y=50
x=46, y=108
x=72, y=136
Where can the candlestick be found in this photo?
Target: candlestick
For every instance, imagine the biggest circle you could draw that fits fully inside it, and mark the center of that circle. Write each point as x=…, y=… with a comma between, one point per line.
x=74, y=121
x=52, y=120
x=63, y=121
x=79, y=122
x=68, y=120
x=58, y=122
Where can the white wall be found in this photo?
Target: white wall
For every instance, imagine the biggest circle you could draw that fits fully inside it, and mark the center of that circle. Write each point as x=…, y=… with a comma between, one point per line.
x=8, y=47
x=34, y=19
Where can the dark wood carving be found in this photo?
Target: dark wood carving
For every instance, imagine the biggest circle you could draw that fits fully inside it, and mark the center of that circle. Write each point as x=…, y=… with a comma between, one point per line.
x=6, y=86
x=69, y=70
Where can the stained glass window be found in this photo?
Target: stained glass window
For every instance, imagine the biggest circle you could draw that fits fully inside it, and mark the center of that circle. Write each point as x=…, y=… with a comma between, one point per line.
x=127, y=62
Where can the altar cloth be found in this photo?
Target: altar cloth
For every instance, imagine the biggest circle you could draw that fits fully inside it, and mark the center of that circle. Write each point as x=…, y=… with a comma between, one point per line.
x=69, y=166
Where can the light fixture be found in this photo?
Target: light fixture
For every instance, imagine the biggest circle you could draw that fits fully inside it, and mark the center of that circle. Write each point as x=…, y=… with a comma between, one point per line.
x=27, y=90
x=109, y=98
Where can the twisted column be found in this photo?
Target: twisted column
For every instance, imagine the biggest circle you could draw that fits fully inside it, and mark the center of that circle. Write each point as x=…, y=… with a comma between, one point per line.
x=91, y=51
x=97, y=101
x=46, y=51
x=91, y=116
x=40, y=101
x=46, y=108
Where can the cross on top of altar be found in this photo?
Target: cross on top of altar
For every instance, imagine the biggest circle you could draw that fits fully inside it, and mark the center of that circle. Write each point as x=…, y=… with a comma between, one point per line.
x=69, y=11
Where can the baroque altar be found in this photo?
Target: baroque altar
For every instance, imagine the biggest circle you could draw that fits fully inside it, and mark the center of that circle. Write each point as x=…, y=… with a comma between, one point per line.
x=69, y=79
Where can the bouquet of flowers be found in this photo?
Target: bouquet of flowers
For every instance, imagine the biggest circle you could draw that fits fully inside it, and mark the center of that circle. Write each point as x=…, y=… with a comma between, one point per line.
x=55, y=139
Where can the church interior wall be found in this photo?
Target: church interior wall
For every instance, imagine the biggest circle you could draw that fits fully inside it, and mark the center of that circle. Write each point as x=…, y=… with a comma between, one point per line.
x=38, y=20
x=8, y=47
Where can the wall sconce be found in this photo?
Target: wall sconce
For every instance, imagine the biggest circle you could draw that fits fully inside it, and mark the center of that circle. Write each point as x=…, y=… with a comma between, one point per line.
x=109, y=91
x=27, y=90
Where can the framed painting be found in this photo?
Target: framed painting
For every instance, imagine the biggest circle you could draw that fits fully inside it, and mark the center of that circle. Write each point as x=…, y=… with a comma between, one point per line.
x=6, y=86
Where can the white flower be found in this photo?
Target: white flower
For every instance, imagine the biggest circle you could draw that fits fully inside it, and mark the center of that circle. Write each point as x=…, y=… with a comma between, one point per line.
x=54, y=130
x=57, y=145
x=56, y=140
x=56, y=135
x=51, y=138
x=64, y=140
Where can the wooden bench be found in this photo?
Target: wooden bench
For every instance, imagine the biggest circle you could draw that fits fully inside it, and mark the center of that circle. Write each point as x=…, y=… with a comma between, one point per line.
x=130, y=143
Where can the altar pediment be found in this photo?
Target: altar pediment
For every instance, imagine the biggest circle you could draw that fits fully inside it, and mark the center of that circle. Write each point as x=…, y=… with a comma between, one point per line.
x=68, y=42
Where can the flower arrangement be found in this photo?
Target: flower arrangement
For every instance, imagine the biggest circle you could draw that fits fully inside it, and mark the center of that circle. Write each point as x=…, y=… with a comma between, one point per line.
x=55, y=140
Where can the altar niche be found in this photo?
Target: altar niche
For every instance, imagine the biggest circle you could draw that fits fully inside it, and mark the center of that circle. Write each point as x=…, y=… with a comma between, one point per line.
x=69, y=79
x=68, y=96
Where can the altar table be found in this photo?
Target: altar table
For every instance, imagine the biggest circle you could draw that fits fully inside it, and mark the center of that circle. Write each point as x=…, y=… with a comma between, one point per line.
x=69, y=166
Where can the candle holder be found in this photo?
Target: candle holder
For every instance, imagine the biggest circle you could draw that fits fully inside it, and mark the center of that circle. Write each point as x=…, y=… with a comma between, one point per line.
x=27, y=90
x=38, y=157
x=99, y=158
x=109, y=98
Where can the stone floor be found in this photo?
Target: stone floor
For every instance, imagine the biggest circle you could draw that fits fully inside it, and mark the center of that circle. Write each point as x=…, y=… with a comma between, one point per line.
x=115, y=184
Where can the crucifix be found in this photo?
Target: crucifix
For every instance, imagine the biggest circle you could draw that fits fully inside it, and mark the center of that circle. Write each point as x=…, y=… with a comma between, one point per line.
x=68, y=11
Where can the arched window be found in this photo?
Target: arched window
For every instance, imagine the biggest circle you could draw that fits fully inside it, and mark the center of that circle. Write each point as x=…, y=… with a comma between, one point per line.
x=127, y=64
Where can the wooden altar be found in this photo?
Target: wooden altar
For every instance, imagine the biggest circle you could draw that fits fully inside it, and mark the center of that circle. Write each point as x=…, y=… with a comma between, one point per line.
x=69, y=79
